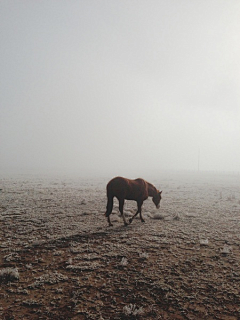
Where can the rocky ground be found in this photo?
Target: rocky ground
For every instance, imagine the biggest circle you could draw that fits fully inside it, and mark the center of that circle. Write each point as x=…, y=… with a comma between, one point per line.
x=60, y=260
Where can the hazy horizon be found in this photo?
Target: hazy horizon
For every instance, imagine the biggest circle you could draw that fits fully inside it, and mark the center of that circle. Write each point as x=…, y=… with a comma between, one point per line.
x=104, y=88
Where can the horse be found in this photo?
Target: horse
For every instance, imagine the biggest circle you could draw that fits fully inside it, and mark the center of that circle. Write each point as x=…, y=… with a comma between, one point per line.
x=137, y=190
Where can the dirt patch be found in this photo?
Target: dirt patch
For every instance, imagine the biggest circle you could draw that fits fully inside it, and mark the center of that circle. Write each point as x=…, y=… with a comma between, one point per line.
x=183, y=264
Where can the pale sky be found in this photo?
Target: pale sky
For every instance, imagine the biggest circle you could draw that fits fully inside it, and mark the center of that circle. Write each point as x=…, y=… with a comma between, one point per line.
x=119, y=87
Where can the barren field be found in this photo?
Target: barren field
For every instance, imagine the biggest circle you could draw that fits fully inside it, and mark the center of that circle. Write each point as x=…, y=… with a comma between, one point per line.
x=60, y=260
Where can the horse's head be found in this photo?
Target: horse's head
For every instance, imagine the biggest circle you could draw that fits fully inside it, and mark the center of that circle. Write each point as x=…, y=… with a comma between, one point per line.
x=157, y=198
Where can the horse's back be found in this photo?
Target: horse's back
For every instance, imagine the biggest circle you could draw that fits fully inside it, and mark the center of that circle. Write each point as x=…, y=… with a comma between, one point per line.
x=140, y=181
x=124, y=182
x=116, y=184
x=127, y=188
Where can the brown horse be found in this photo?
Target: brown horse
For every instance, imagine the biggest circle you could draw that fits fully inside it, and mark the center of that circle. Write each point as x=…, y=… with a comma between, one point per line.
x=138, y=190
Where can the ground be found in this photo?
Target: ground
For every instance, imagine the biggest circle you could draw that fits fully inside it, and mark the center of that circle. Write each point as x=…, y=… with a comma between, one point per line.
x=60, y=260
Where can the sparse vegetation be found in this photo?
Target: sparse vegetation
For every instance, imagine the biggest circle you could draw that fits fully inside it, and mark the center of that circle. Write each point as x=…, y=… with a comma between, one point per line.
x=61, y=264
x=132, y=310
x=9, y=274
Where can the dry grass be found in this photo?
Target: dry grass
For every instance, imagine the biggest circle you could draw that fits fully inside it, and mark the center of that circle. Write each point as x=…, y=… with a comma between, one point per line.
x=59, y=260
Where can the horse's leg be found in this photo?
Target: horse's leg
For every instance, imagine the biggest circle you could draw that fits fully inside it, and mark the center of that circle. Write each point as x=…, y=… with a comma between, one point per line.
x=131, y=219
x=109, y=209
x=121, y=204
x=139, y=210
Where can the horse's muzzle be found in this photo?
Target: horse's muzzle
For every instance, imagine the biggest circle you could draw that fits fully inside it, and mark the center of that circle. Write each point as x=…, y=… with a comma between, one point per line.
x=158, y=206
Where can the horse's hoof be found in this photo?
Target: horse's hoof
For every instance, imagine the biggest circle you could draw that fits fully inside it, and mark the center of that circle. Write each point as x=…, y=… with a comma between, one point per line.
x=110, y=225
x=125, y=224
x=130, y=220
x=143, y=220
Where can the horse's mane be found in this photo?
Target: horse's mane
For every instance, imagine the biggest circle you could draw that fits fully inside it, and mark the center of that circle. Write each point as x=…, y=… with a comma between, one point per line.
x=151, y=189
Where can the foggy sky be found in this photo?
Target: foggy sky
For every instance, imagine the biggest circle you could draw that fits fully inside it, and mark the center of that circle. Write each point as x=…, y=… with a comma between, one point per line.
x=119, y=87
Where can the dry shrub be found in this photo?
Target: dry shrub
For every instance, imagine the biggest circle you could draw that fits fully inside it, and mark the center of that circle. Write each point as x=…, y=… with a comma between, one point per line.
x=9, y=274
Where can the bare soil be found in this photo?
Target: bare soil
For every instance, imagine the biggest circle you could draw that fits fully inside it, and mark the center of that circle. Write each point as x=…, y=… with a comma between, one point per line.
x=60, y=260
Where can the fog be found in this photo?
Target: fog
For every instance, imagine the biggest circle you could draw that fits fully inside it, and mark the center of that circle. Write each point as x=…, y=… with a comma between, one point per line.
x=126, y=88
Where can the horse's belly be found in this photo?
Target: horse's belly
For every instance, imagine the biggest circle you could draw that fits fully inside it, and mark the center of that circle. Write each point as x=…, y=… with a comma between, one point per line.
x=131, y=198
x=136, y=197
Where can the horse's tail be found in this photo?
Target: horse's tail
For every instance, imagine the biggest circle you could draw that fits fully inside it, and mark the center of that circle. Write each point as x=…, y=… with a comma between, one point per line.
x=109, y=206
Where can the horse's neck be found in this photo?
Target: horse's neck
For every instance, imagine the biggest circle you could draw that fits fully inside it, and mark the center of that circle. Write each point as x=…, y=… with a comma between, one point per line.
x=151, y=190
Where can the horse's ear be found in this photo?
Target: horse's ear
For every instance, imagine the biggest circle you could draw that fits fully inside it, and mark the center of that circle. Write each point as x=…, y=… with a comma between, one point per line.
x=160, y=192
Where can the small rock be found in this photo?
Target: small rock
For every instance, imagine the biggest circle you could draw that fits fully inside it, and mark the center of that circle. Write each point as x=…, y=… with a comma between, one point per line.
x=226, y=249
x=204, y=242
